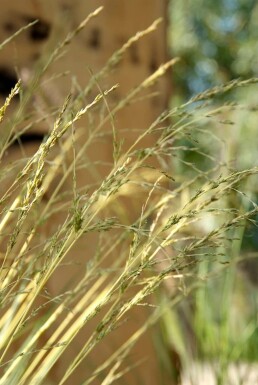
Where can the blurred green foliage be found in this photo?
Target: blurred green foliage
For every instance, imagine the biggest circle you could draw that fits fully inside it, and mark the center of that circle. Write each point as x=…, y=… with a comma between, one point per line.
x=216, y=40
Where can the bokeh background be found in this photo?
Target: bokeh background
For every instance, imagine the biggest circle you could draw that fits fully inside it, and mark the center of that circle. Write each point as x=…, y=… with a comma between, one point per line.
x=217, y=42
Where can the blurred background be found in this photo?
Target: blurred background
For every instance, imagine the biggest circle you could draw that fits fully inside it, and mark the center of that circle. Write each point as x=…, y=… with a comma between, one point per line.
x=217, y=42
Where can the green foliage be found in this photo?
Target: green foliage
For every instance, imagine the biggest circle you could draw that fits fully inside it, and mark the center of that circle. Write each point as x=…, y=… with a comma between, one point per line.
x=216, y=40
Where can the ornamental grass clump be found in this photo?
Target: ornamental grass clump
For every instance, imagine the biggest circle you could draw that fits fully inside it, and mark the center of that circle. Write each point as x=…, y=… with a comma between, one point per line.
x=89, y=260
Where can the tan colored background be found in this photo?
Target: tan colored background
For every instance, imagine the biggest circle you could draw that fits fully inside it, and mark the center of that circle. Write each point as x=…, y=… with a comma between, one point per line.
x=119, y=20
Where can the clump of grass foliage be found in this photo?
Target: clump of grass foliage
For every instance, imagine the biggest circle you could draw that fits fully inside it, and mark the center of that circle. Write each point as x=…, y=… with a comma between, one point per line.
x=203, y=204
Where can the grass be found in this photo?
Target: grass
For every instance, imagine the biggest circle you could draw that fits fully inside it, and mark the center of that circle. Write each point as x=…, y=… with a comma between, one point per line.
x=164, y=223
